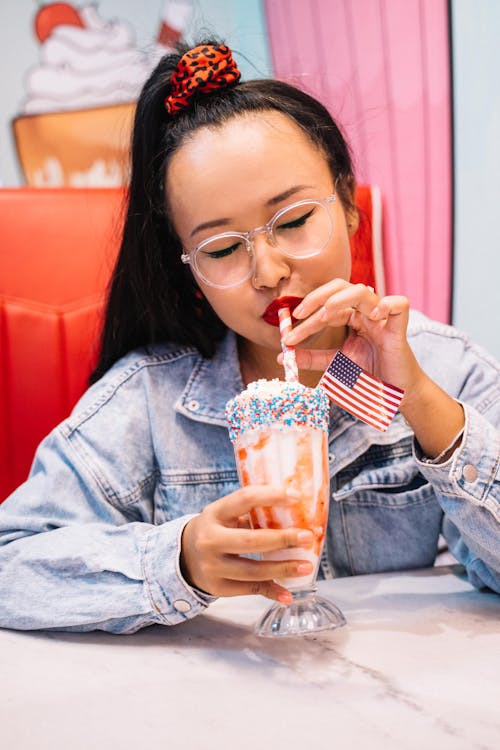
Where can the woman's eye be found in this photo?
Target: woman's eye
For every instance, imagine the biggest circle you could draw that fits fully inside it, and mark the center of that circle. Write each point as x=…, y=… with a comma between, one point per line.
x=299, y=222
x=223, y=252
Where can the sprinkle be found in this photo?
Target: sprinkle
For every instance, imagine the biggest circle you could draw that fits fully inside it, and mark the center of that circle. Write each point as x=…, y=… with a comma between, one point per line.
x=267, y=403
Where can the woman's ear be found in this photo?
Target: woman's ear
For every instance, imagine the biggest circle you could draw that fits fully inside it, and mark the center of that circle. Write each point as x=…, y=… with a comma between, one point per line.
x=352, y=221
x=352, y=216
x=346, y=186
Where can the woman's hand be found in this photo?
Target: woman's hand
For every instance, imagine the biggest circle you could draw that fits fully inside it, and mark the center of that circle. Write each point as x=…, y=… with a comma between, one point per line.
x=213, y=541
x=377, y=342
x=377, y=338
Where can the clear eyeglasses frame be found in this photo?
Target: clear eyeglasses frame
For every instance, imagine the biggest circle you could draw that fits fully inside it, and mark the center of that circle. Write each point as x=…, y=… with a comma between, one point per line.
x=300, y=230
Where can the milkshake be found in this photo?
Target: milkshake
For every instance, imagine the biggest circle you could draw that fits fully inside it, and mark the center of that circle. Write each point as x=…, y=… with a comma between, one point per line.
x=280, y=435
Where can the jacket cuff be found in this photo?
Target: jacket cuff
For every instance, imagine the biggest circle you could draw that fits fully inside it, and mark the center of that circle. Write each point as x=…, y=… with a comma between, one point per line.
x=471, y=470
x=172, y=599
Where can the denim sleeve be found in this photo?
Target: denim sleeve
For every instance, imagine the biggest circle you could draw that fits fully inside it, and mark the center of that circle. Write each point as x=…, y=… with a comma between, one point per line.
x=468, y=488
x=71, y=559
x=467, y=485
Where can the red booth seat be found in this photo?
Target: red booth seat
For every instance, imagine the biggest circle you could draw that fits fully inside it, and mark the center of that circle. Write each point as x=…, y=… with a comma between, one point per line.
x=57, y=248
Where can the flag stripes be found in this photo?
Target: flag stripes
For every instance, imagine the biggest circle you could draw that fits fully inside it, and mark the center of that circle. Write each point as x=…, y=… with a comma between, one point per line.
x=363, y=395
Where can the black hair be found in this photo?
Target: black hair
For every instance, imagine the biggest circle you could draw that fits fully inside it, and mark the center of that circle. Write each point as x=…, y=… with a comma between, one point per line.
x=153, y=296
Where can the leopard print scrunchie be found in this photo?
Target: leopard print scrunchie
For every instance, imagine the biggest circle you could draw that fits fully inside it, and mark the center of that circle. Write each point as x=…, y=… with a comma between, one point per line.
x=202, y=69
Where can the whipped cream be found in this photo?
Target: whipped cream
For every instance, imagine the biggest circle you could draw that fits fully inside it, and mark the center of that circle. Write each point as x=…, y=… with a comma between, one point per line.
x=268, y=403
x=86, y=67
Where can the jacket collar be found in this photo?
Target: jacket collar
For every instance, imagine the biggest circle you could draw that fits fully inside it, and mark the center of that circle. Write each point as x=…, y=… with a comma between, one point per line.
x=211, y=384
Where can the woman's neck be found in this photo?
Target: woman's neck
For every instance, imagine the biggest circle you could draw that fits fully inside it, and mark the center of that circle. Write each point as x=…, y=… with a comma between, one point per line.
x=257, y=362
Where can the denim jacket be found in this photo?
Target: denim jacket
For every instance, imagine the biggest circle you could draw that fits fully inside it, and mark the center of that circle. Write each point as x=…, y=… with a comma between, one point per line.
x=92, y=539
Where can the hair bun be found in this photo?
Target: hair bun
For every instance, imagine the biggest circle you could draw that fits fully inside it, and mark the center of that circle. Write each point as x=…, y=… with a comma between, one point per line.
x=203, y=69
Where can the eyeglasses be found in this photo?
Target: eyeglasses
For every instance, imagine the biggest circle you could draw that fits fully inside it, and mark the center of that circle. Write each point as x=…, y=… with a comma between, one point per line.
x=300, y=230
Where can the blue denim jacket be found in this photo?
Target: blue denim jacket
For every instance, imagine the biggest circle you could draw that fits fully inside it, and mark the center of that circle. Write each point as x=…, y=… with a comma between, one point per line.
x=92, y=539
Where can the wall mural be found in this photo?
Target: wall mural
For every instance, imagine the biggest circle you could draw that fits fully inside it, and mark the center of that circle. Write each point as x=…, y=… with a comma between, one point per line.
x=74, y=124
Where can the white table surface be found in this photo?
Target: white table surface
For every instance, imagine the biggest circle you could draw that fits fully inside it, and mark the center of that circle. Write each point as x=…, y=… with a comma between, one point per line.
x=417, y=666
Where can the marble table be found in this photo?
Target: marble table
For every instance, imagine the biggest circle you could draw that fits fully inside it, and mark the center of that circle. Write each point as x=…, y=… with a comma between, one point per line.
x=416, y=667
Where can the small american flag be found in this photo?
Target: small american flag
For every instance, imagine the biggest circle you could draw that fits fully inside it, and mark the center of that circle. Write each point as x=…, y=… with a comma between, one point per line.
x=361, y=394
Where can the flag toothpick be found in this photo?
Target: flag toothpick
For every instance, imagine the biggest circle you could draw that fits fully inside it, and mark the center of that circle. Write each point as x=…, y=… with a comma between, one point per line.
x=361, y=394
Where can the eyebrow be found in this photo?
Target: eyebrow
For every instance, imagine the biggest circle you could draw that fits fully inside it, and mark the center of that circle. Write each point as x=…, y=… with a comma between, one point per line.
x=271, y=202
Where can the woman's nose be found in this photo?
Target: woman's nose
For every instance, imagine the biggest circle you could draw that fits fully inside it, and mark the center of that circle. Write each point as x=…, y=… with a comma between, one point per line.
x=270, y=265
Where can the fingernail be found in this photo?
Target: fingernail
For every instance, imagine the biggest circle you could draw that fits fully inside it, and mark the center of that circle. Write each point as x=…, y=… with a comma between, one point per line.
x=304, y=567
x=291, y=498
x=375, y=314
x=297, y=313
x=305, y=537
x=324, y=314
x=285, y=598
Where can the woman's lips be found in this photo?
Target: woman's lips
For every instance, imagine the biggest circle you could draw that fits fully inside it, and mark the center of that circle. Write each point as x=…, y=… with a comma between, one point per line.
x=270, y=314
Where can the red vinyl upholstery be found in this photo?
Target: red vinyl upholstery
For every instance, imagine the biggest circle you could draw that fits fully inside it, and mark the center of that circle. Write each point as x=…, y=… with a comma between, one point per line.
x=57, y=249
x=366, y=244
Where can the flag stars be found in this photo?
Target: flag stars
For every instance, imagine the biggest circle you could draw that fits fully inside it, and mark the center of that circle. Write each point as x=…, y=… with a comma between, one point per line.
x=344, y=369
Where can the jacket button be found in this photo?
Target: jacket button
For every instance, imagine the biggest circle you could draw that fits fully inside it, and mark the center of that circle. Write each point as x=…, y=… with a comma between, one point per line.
x=181, y=605
x=194, y=405
x=469, y=473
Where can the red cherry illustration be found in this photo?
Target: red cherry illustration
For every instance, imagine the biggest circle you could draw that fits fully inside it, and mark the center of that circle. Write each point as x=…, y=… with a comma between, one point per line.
x=55, y=14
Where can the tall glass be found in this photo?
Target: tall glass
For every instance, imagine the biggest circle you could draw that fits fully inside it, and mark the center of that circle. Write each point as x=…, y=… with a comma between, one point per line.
x=296, y=456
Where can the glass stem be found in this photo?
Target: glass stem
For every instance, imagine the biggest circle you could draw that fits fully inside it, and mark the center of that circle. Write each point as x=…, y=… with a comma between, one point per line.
x=302, y=594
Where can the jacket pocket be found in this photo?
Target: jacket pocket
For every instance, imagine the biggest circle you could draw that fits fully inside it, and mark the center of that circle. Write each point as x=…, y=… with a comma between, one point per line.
x=189, y=492
x=385, y=514
x=384, y=475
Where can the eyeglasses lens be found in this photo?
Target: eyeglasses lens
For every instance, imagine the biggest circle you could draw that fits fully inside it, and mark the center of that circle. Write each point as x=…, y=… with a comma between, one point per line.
x=299, y=231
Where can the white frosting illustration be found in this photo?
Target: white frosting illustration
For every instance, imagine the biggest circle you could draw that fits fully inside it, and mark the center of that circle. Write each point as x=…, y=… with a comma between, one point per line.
x=86, y=67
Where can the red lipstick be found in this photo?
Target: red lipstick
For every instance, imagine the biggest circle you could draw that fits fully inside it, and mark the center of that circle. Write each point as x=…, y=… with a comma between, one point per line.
x=270, y=314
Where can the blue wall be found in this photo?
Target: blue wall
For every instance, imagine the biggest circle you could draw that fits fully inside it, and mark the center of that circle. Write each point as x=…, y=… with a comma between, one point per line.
x=476, y=74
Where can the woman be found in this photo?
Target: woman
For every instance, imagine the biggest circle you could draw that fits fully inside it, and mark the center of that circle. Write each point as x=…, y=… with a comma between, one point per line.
x=132, y=514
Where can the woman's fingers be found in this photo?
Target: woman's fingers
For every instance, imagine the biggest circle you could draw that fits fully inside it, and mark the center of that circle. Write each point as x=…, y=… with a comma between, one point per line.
x=336, y=302
x=238, y=576
x=231, y=507
x=243, y=522
x=312, y=359
x=241, y=569
x=316, y=299
x=391, y=307
x=355, y=305
x=317, y=322
x=269, y=589
x=357, y=296
x=243, y=541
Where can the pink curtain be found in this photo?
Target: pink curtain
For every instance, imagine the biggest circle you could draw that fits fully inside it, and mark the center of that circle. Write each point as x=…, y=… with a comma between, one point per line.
x=382, y=69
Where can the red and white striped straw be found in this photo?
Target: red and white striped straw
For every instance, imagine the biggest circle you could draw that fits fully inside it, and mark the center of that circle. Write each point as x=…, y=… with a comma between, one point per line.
x=289, y=361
